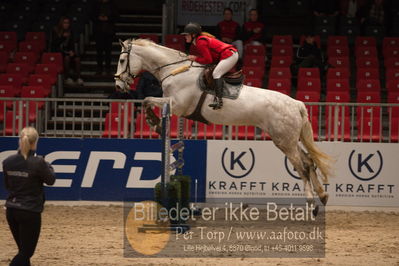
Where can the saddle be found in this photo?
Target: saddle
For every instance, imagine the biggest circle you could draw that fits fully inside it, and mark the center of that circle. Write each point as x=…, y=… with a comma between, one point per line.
x=233, y=82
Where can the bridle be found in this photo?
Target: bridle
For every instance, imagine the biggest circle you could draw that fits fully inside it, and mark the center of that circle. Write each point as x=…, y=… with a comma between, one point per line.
x=127, y=69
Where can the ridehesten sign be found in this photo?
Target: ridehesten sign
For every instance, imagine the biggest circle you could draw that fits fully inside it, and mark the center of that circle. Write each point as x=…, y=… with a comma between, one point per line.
x=365, y=174
x=210, y=13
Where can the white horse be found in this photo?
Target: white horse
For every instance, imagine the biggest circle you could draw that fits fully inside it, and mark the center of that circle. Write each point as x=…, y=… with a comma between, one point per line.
x=283, y=118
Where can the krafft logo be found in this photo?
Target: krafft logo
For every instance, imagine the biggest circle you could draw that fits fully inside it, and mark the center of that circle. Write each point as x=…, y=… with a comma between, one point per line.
x=238, y=164
x=290, y=169
x=365, y=166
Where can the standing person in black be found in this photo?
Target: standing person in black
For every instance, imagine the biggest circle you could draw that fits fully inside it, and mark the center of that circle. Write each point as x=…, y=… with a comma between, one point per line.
x=24, y=175
x=105, y=14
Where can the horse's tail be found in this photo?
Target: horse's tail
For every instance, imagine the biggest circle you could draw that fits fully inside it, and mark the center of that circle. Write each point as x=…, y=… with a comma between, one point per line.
x=321, y=159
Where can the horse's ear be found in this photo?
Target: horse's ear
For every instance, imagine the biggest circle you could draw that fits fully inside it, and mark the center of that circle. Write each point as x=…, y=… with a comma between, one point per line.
x=121, y=43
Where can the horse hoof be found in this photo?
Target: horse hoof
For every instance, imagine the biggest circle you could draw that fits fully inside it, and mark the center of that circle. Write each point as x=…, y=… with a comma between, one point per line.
x=315, y=211
x=324, y=199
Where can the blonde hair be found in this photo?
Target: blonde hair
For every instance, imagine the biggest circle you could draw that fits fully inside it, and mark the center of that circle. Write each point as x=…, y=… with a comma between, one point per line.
x=27, y=138
x=207, y=34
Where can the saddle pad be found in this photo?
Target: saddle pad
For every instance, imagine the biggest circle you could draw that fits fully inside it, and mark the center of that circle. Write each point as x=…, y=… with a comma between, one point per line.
x=230, y=91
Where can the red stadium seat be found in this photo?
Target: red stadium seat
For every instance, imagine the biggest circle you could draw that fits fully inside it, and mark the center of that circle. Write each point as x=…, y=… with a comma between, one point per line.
x=47, y=69
x=366, y=52
x=210, y=131
x=19, y=68
x=393, y=97
x=12, y=123
x=309, y=96
x=337, y=97
x=391, y=62
x=390, y=41
x=315, y=126
x=8, y=36
x=309, y=84
x=119, y=108
x=40, y=37
x=152, y=37
x=142, y=129
x=338, y=85
x=113, y=126
x=42, y=80
x=367, y=112
x=390, y=51
x=393, y=85
x=243, y=132
x=254, y=61
x=7, y=46
x=7, y=91
x=392, y=73
x=26, y=57
x=53, y=58
x=337, y=51
x=251, y=49
x=338, y=73
x=3, y=61
x=253, y=82
x=369, y=129
x=341, y=41
x=339, y=62
x=343, y=129
x=253, y=72
x=280, y=84
x=280, y=72
x=367, y=73
x=363, y=41
x=30, y=46
x=15, y=80
x=282, y=40
x=368, y=85
x=282, y=50
x=281, y=61
x=175, y=41
x=33, y=92
x=367, y=62
x=313, y=72
x=368, y=97
x=394, y=130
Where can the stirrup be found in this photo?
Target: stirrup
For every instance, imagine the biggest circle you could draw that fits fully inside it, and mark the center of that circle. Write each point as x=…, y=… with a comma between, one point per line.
x=217, y=104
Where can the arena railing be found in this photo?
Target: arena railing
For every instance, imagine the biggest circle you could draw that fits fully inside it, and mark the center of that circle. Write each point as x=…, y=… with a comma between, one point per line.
x=65, y=117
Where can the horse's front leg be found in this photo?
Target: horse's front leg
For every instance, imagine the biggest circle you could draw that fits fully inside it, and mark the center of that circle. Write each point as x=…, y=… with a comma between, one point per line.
x=151, y=117
x=155, y=101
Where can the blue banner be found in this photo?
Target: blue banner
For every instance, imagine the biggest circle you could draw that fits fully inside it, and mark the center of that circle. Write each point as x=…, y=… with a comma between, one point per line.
x=109, y=169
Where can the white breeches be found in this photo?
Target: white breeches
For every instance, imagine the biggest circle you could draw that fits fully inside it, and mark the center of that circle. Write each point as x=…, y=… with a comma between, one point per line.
x=225, y=65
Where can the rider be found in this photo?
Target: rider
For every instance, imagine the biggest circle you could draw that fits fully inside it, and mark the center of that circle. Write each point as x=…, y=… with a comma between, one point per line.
x=211, y=51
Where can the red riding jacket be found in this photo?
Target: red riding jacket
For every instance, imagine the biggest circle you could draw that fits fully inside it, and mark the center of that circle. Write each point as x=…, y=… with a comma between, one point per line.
x=211, y=50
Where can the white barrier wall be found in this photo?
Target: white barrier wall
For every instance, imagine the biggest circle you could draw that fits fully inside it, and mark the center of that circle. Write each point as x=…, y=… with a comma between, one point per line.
x=365, y=174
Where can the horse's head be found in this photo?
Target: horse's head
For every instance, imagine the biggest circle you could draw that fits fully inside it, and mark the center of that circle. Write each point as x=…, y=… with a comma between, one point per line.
x=129, y=65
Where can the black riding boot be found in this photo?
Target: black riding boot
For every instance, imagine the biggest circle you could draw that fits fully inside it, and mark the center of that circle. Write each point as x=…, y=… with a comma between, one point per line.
x=218, y=100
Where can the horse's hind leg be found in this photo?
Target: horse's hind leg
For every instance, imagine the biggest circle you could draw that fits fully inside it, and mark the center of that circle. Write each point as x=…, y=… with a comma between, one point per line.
x=317, y=187
x=294, y=156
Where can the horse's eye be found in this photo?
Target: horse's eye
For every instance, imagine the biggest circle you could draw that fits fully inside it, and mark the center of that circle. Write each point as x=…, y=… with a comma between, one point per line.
x=122, y=61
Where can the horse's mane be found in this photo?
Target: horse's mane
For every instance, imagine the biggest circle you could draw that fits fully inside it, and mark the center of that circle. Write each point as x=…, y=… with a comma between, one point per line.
x=147, y=42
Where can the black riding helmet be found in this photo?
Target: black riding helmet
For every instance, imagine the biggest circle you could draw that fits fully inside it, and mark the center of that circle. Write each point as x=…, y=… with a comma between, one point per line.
x=192, y=28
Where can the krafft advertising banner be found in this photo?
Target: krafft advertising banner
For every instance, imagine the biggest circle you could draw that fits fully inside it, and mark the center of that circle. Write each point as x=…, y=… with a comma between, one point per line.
x=210, y=13
x=365, y=174
x=108, y=169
